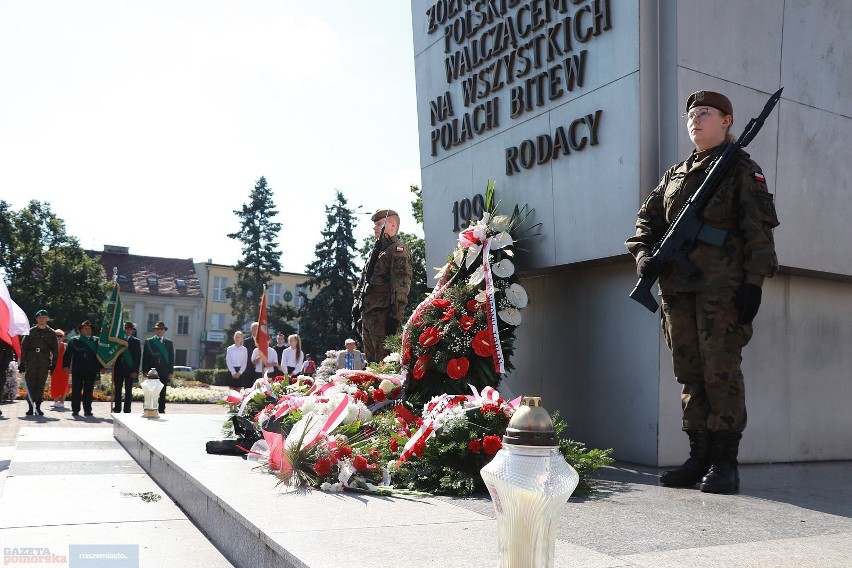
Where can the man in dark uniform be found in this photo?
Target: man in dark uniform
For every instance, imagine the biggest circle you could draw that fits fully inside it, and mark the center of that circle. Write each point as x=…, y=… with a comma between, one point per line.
x=387, y=286
x=707, y=317
x=159, y=353
x=126, y=369
x=249, y=375
x=81, y=361
x=38, y=357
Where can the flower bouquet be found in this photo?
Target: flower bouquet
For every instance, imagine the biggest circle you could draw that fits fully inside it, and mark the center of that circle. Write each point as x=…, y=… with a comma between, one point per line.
x=463, y=332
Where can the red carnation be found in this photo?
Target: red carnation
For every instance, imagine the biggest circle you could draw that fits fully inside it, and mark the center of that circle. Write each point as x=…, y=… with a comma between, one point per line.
x=374, y=453
x=449, y=314
x=492, y=444
x=457, y=368
x=420, y=366
x=441, y=303
x=473, y=306
x=359, y=463
x=360, y=395
x=394, y=445
x=344, y=451
x=419, y=421
x=483, y=344
x=323, y=467
x=475, y=446
x=379, y=395
x=430, y=336
x=466, y=322
x=489, y=408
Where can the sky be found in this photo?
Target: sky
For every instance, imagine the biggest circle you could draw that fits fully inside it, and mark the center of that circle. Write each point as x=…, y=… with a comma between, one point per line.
x=146, y=123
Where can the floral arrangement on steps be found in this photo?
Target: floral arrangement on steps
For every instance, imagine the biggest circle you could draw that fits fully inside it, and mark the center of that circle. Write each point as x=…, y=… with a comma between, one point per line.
x=463, y=333
x=354, y=432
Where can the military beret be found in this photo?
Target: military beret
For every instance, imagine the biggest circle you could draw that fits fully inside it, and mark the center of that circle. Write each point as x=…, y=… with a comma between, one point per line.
x=84, y=324
x=382, y=213
x=711, y=99
x=42, y=313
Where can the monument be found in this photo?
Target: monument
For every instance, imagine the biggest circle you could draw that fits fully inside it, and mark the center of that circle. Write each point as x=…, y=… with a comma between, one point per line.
x=574, y=107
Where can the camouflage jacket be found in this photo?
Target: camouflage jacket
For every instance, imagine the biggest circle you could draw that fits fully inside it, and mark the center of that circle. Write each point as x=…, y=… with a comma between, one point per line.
x=741, y=205
x=40, y=345
x=391, y=279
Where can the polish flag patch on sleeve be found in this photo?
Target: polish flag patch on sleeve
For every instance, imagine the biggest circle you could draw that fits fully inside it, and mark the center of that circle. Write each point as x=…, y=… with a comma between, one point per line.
x=759, y=177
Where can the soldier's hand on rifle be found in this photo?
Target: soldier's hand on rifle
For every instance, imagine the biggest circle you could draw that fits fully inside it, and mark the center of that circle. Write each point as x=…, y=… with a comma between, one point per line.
x=645, y=267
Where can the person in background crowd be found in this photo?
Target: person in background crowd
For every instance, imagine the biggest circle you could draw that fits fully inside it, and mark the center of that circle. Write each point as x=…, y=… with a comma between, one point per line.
x=248, y=377
x=292, y=357
x=236, y=359
x=59, y=378
x=81, y=361
x=350, y=358
x=707, y=317
x=159, y=353
x=309, y=367
x=125, y=370
x=39, y=351
x=280, y=346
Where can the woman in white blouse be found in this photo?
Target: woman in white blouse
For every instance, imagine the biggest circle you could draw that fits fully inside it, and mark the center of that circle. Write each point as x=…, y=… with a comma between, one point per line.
x=236, y=359
x=293, y=358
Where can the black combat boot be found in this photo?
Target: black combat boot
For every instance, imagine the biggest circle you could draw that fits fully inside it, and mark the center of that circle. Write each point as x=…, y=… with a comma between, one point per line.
x=29, y=411
x=695, y=467
x=723, y=476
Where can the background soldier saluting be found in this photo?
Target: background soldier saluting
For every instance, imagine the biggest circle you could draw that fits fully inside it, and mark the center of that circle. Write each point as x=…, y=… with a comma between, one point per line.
x=38, y=356
x=383, y=289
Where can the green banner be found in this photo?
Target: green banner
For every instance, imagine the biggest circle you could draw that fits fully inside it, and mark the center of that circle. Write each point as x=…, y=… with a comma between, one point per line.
x=112, y=340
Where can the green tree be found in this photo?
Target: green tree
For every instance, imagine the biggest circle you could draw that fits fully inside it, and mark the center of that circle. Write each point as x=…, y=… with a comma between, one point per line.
x=416, y=245
x=46, y=268
x=326, y=319
x=261, y=258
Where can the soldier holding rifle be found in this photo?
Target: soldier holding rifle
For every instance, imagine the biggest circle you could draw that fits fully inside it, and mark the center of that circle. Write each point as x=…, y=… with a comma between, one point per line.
x=711, y=294
x=382, y=292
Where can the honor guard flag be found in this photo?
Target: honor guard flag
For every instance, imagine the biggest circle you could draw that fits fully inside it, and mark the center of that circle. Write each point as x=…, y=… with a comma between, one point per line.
x=112, y=340
x=262, y=339
x=13, y=321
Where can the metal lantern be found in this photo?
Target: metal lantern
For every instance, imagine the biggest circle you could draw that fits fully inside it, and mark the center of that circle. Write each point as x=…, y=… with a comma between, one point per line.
x=151, y=388
x=529, y=482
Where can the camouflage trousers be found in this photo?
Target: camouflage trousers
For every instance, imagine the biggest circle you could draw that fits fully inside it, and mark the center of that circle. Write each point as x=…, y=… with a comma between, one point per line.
x=374, y=323
x=706, y=342
x=36, y=378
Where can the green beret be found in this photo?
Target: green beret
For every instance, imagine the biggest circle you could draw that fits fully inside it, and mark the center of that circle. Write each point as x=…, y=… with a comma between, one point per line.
x=711, y=99
x=42, y=313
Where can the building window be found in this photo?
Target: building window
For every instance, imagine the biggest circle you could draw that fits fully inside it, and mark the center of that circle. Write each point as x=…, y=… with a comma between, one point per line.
x=300, y=298
x=152, y=281
x=183, y=325
x=273, y=294
x=153, y=318
x=219, y=285
x=180, y=357
x=217, y=322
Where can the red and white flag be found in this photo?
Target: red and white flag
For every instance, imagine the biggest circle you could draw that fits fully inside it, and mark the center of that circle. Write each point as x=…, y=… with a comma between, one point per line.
x=13, y=321
x=262, y=339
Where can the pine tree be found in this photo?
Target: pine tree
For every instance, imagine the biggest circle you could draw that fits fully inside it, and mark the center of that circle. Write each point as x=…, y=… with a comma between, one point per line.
x=47, y=268
x=261, y=258
x=326, y=319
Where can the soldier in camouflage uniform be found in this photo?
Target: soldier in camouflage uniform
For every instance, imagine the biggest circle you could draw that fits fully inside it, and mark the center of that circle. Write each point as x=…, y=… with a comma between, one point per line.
x=387, y=289
x=707, y=318
x=38, y=356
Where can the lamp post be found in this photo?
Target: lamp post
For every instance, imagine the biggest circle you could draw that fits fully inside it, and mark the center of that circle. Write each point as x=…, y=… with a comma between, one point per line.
x=151, y=388
x=529, y=482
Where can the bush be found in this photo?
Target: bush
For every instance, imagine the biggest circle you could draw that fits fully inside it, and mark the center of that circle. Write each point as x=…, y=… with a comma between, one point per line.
x=212, y=376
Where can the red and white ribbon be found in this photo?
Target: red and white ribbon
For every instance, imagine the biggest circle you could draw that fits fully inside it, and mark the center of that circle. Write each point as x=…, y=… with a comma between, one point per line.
x=332, y=422
x=491, y=310
x=426, y=430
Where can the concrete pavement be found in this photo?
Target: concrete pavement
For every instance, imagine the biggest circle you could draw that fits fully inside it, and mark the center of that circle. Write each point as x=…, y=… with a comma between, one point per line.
x=68, y=482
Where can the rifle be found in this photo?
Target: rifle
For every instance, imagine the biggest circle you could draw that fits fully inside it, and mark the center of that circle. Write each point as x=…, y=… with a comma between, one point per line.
x=361, y=290
x=681, y=236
